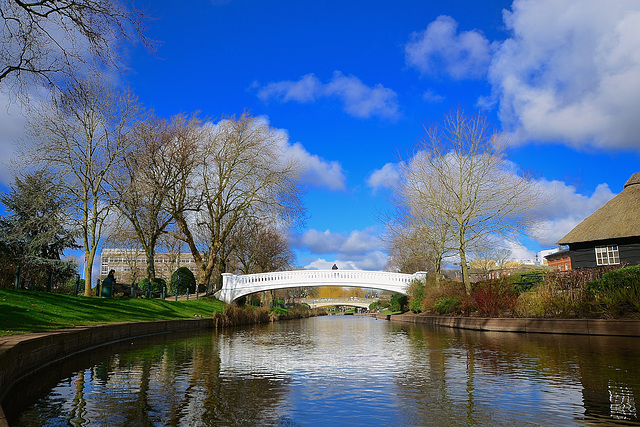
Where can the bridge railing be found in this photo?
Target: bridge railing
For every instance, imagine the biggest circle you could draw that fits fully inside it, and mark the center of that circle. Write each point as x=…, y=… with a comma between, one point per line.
x=319, y=276
x=235, y=286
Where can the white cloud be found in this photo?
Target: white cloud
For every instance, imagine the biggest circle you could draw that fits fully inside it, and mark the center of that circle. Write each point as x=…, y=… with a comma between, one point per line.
x=359, y=242
x=440, y=48
x=359, y=249
x=316, y=171
x=570, y=72
x=567, y=209
x=373, y=261
x=325, y=242
x=319, y=242
x=307, y=89
x=12, y=121
x=519, y=252
x=388, y=176
x=432, y=97
x=358, y=99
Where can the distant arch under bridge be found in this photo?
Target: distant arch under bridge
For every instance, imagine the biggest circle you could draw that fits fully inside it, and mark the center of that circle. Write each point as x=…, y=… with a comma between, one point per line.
x=236, y=286
x=350, y=302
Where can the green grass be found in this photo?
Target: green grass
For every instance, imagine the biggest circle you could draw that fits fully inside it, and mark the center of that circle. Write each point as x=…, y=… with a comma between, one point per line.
x=387, y=311
x=29, y=311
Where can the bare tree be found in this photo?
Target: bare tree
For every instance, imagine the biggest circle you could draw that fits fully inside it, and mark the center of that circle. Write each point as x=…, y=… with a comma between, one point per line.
x=260, y=248
x=81, y=135
x=143, y=179
x=407, y=254
x=42, y=41
x=418, y=236
x=470, y=185
x=244, y=174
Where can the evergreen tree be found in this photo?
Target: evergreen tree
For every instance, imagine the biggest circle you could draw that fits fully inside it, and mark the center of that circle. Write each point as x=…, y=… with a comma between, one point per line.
x=34, y=232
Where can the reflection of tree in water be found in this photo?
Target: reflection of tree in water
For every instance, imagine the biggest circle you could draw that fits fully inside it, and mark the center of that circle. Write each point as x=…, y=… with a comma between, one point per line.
x=444, y=389
x=177, y=382
x=605, y=370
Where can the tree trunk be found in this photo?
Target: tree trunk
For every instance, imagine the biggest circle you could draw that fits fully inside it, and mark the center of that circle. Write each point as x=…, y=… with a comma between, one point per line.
x=465, y=272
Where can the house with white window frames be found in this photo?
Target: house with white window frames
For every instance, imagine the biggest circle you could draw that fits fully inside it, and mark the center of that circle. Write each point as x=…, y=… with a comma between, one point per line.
x=611, y=235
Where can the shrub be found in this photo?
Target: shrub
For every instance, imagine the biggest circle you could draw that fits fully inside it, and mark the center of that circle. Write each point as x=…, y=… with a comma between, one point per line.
x=562, y=294
x=524, y=282
x=617, y=292
x=182, y=279
x=447, y=305
x=494, y=297
x=445, y=289
x=234, y=316
x=398, y=302
x=156, y=285
x=416, y=294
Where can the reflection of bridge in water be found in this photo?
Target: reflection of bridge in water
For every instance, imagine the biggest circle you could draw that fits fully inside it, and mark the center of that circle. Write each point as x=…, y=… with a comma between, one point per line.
x=234, y=287
x=351, y=302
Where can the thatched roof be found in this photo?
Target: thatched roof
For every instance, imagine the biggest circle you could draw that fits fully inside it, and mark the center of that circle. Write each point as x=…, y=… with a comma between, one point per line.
x=618, y=218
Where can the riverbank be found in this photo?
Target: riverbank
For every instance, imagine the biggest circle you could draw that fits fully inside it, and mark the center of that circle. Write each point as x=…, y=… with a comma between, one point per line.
x=605, y=327
x=21, y=355
x=29, y=311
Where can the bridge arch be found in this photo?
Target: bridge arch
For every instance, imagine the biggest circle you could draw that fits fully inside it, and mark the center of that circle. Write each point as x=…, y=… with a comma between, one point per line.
x=236, y=286
x=335, y=302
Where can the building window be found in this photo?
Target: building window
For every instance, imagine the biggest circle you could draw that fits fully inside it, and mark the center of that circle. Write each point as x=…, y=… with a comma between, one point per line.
x=607, y=255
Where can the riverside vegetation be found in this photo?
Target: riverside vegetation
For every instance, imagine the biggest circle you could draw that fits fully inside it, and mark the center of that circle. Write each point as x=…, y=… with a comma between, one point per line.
x=594, y=293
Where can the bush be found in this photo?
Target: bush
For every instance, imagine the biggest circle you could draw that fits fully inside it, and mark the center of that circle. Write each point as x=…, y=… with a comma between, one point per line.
x=416, y=294
x=182, y=279
x=156, y=285
x=617, y=292
x=398, y=302
x=445, y=289
x=494, y=297
x=524, y=282
x=447, y=305
x=563, y=294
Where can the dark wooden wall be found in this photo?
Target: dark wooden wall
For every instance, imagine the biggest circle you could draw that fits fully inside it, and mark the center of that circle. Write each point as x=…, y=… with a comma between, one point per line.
x=583, y=255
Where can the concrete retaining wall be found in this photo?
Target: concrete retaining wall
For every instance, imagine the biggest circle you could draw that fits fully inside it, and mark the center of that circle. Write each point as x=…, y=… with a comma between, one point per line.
x=628, y=328
x=21, y=355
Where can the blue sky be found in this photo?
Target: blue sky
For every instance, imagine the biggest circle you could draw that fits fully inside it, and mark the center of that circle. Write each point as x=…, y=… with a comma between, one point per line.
x=351, y=83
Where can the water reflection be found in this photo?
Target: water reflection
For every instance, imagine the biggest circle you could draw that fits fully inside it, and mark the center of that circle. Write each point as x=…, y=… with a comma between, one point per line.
x=341, y=370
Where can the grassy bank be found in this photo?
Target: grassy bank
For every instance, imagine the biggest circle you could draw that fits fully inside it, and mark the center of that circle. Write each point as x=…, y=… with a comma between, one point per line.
x=28, y=311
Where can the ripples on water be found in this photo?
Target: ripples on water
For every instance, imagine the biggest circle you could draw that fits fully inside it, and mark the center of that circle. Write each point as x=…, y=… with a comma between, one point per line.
x=341, y=370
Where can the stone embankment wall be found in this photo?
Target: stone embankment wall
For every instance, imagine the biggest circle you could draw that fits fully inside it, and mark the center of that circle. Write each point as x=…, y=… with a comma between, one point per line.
x=629, y=328
x=20, y=355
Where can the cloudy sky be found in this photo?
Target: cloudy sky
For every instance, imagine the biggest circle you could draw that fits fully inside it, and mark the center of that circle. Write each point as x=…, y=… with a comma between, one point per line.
x=351, y=84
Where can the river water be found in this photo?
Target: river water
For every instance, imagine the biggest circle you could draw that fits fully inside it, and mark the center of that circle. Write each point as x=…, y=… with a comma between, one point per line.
x=340, y=370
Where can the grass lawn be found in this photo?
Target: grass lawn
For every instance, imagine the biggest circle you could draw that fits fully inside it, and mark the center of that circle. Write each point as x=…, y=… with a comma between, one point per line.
x=29, y=311
x=387, y=311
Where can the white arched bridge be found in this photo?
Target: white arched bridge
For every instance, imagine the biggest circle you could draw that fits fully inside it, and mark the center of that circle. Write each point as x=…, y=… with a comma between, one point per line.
x=234, y=287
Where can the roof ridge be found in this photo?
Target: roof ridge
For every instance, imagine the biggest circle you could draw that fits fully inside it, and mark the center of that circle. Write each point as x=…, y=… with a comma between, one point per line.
x=635, y=179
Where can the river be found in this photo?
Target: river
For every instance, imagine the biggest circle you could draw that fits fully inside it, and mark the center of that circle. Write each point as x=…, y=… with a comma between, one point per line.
x=340, y=370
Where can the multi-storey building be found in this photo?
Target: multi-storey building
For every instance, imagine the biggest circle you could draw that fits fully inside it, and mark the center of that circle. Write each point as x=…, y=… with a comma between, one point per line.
x=131, y=264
